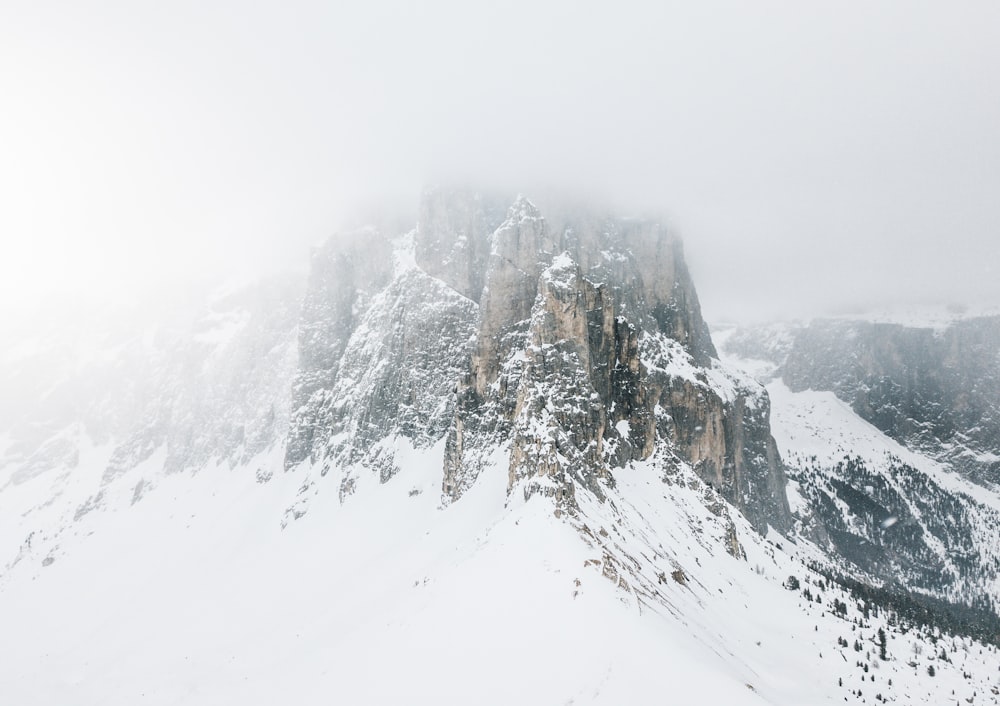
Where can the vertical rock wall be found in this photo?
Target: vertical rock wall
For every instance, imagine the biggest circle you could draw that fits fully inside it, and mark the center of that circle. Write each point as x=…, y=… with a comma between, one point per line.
x=572, y=348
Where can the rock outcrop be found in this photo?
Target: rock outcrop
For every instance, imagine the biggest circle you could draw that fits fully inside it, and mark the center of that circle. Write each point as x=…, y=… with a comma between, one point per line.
x=454, y=230
x=934, y=390
x=380, y=356
x=571, y=348
x=603, y=369
x=345, y=274
x=889, y=509
x=937, y=391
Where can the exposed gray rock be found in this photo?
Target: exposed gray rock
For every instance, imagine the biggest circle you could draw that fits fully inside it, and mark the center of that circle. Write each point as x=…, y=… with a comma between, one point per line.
x=877, y=516
x=935, y=390
x=386, y=368
x=453, y=238
x=581, y=371
x=346, y=272
x=570, y=349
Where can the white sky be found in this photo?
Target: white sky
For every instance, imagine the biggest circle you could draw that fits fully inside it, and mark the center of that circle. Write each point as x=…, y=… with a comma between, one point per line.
x=814, y=156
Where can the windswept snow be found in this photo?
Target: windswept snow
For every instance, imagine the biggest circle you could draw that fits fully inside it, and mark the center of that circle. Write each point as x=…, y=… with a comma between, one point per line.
x=201, y=598
x=818, y=424
x=196, y=595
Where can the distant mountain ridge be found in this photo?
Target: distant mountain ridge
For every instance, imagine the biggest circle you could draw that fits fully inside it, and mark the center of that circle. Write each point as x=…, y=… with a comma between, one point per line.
x=932, y=388
x=891, y=442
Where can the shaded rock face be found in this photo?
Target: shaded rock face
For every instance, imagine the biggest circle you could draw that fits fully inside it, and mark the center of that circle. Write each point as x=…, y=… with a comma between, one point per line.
x=934, y=391
x=876, y=516
x=565, y=350
x=345, y=274
x=381, y=347
x=591, y=353
x=453, y=238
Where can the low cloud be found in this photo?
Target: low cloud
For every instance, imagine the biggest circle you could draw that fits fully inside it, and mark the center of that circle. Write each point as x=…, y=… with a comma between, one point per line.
x=815, y=157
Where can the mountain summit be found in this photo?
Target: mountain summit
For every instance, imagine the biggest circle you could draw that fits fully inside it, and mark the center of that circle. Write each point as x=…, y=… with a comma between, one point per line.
x=491, y=456
x=572, y=347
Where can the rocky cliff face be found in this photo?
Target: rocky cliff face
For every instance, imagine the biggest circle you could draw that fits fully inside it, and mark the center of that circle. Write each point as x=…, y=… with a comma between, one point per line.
x=935, y=390
x=882, y=499
x=570, y=348
x=455, y=235
x=344, y=276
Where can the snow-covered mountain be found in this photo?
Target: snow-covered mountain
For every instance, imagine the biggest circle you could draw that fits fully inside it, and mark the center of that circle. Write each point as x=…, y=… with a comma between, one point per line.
x=887, y=433
x=583, y=350
x=98, y=409
x=933, y=386
x=491, y=458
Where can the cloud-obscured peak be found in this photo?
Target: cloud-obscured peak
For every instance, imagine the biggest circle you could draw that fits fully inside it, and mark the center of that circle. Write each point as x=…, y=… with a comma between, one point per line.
x=813, y=157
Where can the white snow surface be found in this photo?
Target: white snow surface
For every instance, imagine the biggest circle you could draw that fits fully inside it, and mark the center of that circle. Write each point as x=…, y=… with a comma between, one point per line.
x=196, y=595
x=199, y=587
x=818, y=423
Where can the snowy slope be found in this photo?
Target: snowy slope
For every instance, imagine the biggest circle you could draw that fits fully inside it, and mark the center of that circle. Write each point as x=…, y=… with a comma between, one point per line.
x=192, y=553
x=872, y=507
x=929, y=381
x=203, y=599
x=107, y=404
x=197, y=596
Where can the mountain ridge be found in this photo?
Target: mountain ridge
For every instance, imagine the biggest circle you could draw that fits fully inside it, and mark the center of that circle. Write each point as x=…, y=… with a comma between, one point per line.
x=604, y=311
x=496, y=446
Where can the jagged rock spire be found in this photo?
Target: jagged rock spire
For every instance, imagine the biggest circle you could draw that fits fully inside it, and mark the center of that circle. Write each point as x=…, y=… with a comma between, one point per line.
x=573, y=347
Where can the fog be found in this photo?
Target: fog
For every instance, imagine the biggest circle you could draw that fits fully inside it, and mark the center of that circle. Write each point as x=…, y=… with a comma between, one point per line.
x=815, y=157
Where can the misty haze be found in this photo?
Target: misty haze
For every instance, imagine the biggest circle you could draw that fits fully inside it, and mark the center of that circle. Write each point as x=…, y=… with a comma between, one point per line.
x=540, y=353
